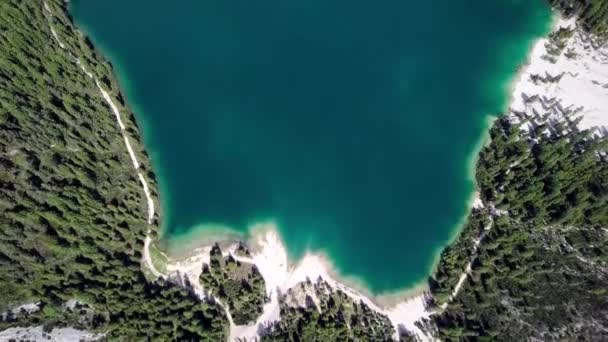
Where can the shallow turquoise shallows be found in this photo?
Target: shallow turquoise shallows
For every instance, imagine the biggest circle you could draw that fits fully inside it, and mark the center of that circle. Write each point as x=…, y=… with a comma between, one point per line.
x=352, y=124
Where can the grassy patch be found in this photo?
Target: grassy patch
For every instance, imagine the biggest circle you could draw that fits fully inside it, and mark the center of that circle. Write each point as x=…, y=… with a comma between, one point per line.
x=159, y=259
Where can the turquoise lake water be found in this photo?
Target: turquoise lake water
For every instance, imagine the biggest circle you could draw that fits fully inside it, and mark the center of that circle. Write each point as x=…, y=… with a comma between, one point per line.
x=351, y=124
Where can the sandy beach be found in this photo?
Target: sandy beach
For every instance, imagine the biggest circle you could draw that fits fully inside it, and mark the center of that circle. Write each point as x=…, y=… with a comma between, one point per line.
x=564, y=83
x=270, y=256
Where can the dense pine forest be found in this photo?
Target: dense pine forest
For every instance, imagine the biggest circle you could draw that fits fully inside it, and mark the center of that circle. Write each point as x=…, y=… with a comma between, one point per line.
x=542, y=266
x=330, y=316
x=239, y=285
x=73, y=219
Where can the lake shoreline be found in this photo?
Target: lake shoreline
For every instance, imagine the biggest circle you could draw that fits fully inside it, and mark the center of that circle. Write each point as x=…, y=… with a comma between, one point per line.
x=402, y=306
x=195, y=246
x=269, y=254
x=316, y=263
x=425, y=210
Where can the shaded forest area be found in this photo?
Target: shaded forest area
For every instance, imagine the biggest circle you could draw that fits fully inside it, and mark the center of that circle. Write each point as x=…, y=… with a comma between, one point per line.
x=317, y=312
x=542, y=267
x=593, y=14
x=238, y=285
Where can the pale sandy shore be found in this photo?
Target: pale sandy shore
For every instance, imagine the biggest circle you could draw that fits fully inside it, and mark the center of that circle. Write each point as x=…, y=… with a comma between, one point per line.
x=567, y=84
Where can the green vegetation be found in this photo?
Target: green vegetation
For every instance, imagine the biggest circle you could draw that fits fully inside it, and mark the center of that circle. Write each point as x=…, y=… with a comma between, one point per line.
x=593, y=14
x=455, y=257
x=72, y=211
x=159, y=258
x=317, y=312
x=237, y=284
x=542, y=269
x=560, y=179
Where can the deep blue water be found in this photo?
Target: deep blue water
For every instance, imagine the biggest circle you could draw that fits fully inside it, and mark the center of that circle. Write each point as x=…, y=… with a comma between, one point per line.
x=352, y=124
